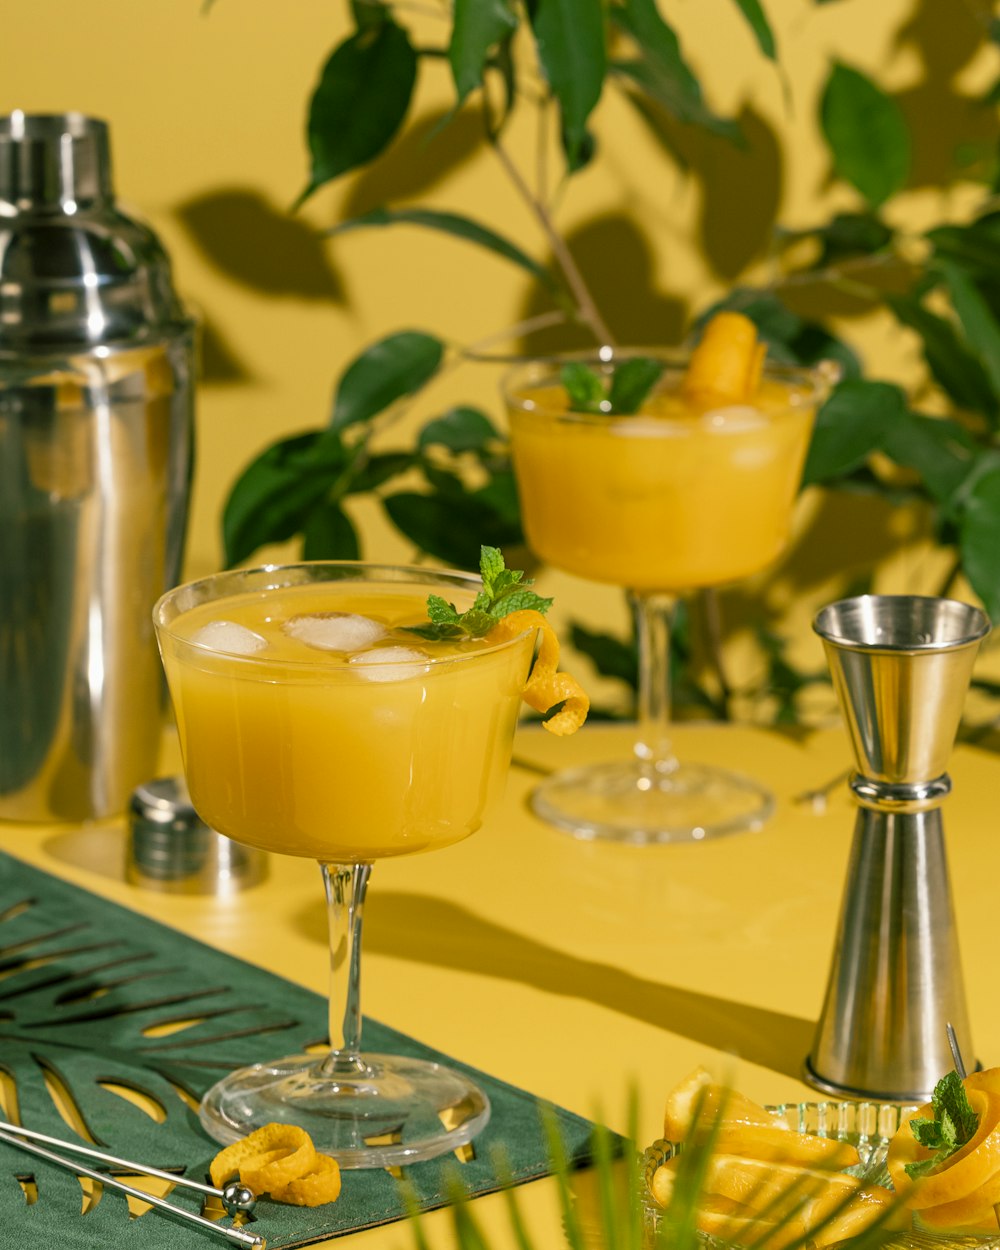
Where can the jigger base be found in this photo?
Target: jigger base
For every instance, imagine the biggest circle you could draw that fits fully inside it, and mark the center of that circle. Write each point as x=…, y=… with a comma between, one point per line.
x=631, y=802
x=813, y=1078
x=395, y=1110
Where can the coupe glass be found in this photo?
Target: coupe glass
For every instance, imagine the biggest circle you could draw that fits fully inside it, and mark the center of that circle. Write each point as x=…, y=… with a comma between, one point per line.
x=661, y=502
x=343, y=758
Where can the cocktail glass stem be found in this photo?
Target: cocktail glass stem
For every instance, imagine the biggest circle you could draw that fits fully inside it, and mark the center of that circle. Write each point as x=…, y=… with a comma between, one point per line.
x=345, y=886
x=653, y=619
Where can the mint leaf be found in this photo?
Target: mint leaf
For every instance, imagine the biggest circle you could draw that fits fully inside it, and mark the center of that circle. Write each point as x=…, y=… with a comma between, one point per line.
x=491, y=567
x=631, y=383
x=955, y=1123
x=504, y=591
x=584, y=387
x=440, y=610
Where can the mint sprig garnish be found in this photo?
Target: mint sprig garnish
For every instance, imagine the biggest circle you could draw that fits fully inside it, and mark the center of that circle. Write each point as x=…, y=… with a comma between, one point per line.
x=623, y=395
x=954, y=1124
x=504, y=591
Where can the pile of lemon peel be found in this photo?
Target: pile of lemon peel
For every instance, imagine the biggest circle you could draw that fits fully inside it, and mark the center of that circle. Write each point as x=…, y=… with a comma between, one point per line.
x=280, y=1160
x=765, y=1182
x=546, y=686
x=725, y=368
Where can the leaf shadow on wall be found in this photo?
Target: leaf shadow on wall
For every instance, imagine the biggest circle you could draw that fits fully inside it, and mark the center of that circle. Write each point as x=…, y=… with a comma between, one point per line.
x=260, y=245
x=430, y=149
x=947, y=38
x=441, y=934
x=617, y=261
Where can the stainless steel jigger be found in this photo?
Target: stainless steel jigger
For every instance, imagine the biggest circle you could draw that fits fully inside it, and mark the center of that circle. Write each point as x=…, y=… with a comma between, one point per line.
x=901, y=666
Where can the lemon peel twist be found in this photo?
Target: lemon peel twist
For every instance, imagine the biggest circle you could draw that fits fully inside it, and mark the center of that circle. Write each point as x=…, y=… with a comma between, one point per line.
x=726, y=366
x=280, y=1160
x=546, y=686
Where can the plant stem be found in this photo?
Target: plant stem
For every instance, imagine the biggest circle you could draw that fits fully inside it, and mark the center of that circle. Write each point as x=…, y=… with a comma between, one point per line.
x=588, y=310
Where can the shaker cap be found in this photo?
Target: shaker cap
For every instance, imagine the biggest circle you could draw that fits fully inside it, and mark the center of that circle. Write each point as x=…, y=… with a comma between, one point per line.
x=75, y=270
x=55, y=160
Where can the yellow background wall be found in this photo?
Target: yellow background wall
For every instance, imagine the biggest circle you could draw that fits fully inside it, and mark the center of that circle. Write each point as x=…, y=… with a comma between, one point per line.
x=207, y=112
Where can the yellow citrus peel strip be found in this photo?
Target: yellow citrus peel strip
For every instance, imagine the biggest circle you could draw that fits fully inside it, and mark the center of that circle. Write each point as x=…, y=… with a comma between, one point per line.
x=546, y=686
x=726, y=366
x=280, y=1160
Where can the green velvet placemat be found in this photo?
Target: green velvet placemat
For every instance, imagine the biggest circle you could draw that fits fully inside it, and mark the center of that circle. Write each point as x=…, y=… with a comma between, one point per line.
x=96, y=1000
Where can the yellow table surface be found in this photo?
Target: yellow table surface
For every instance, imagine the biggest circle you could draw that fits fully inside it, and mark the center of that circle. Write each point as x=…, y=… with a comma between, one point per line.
x=574, y=969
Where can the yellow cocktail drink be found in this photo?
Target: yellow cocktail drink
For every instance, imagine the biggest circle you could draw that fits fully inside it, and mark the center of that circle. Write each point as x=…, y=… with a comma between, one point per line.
x=345, y=712
x=661, y=475
x=674, y=497
x=389, y=746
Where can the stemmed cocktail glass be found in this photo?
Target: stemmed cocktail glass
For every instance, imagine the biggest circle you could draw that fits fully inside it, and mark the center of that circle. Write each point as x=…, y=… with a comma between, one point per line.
x=671, y=498
x=311, y=723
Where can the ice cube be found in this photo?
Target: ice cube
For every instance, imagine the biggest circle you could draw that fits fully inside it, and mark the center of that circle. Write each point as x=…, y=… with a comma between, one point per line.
x=230, y=637
x=736, y=419
x=391, y=663
x=334, y=631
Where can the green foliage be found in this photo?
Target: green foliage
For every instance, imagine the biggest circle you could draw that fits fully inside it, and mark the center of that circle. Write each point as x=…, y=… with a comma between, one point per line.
x=954, y=1123
x=937, y=447
x=504, y=591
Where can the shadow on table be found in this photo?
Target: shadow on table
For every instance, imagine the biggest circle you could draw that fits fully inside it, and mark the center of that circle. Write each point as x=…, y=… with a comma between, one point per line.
x=434, y=931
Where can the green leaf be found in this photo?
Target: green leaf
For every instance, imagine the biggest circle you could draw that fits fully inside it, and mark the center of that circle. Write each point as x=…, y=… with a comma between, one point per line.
x=866, y=132
x=458, y=226
x=276, y=493
x=956, y=370
x=631, y=383
x=976, y=246
x=569, y=35
x=609, y=655
x=660, y=69
x=979, y=541
x=981, y=327
x=852, y=234
x=450, y=529
x=760, y=26
x=850, y=426
x=397, y=365
x=371, y=472
x=362, y=98
x=584, y=387
x=459, y=429
x=955, y=1123
x=477, y=27
x=504, y=591
x=329, y=534
x=941, y=451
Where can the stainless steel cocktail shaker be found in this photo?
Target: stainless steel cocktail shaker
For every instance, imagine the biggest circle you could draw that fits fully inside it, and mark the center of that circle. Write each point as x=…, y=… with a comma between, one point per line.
x=96, y=404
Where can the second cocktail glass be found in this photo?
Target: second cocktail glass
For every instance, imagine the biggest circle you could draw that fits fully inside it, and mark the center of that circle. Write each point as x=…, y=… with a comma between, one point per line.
x=664, y=501
x=313, y=724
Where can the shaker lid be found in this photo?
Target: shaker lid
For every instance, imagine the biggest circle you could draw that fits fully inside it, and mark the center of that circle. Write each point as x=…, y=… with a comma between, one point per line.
x=75, y=271
x=54, y=160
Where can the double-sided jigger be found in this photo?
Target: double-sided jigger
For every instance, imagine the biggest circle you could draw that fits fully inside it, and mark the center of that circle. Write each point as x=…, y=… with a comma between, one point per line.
x=235, y=1198
x=901, y=666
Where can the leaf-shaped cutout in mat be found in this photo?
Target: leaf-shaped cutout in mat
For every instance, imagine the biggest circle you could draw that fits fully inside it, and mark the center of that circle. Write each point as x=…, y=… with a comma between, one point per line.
x=89, y=994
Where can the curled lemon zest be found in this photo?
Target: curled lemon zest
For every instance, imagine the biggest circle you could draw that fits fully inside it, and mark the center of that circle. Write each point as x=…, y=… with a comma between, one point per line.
x=546, y=686
x=725, y=367
x=317, y=1187
x=269, y=1158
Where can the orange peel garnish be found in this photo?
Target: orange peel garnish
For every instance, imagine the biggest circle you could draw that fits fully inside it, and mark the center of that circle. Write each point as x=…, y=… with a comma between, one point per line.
x=546, y=686
x=959, y=1175
x=317, y=1187
x=280, y=1160
x=726, y=366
